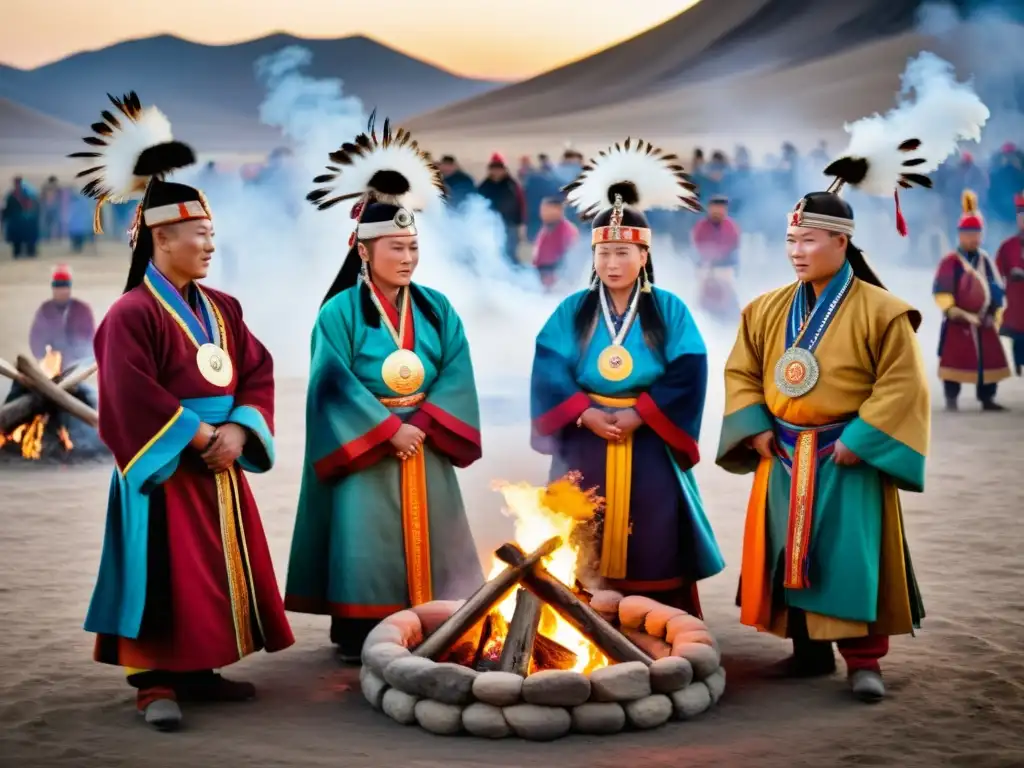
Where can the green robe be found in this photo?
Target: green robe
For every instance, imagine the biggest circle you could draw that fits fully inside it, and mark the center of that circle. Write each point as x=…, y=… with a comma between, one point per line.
x=348, y=551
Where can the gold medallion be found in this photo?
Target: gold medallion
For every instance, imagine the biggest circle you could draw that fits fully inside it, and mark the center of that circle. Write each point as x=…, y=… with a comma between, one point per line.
x=403, y=372
x=796, y=373
x=615, y=363
x=215, y=365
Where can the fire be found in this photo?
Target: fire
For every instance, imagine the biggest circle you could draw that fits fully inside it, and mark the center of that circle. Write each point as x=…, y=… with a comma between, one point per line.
x=30, y=436
x=539, y=514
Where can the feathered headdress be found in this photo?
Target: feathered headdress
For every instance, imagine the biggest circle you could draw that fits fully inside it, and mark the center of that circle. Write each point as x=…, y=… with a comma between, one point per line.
x=636, y=174
x=389, y=169
x=129, y=150
x=942, y=113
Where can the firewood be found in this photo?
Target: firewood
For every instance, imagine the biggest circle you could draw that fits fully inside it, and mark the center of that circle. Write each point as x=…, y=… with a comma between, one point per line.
x=522, y=631
x=8, y=370
x=482, y=601
x=548, y=654
x=21, y=409
x=45, y=387
x=585, y=619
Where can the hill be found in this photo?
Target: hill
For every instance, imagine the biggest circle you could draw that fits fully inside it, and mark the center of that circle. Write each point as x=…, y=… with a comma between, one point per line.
x=212, y=93
x=25, y=131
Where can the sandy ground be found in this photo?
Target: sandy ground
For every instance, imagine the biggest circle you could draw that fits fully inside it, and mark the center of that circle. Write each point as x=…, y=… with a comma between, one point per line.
x=957, y=690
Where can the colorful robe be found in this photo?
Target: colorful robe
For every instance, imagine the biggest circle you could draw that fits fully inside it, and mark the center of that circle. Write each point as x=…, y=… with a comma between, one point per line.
x=970, y=353
x=1010, y=263
x=186, y=582
x=656, y=537
x=373, y=534
x=831, y=542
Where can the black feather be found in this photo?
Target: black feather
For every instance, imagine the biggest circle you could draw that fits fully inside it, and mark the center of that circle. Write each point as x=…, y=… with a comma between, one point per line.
x=852, y=170
x=913, y=162
x=389, y=183
x=918, y=178
x=324, y=178
x=910, y=145
x=341, y=157
x=109, y=117
x=904, y=184
x=86, y=154
x=627, y=190
x=163, y=158
x=102, y=128
x=317, y=195
x=88, y=171
x=95, y=141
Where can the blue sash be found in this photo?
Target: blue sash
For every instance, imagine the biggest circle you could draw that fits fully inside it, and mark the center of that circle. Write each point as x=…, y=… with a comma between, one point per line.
x=825, y=307
x=206, y=327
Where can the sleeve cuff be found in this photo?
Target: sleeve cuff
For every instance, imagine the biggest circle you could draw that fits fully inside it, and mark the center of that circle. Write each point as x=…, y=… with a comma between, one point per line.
x=364, y=451
x=886, y=454
x=448, y=434
x=258, y=455
x=676, y=438
x=159, y=457
x=562, y=414
x=733, y=454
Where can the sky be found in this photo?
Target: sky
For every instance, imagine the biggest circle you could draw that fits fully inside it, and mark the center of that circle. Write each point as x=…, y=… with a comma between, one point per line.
x=500, y=39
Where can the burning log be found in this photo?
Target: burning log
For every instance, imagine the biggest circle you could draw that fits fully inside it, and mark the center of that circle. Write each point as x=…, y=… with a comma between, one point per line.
x=547, y=654
x=44, y=385
x=484, y=599
x=517, y=652
x=585, y=619
x=22, y=408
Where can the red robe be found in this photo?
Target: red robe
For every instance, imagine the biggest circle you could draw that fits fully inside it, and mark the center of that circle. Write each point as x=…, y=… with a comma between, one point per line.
x=1010, y=257
x=717, y=248
x=968, y=353
x=208, y=593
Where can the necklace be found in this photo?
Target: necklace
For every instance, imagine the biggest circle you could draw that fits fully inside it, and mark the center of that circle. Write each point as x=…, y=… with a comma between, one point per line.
x=615, y=363
x=402, y=370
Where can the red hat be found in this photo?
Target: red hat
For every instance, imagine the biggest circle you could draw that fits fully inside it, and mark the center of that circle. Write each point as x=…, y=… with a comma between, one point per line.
x=61, y=276
x=497, y=159
x=1018, y=200
x=1009, y=147
x=971, y=221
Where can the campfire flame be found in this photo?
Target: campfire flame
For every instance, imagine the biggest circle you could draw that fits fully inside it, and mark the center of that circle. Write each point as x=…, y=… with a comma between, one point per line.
x=30, y=436
x=539, y=514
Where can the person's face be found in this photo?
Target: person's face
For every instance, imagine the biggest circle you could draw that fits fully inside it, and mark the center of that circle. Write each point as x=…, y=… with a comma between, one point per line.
x=496, y=172
x=551, y=213
x=392, y=259
x=447, y=169
x=970, y=241
x=187, y=247
x=717, y=212
x=619, y=264
x=815, y=254
x=62, y=295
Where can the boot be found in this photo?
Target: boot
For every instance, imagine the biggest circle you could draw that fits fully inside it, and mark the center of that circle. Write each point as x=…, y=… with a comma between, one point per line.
x=867, y=686
x=160, y=708
x=992, y=405
x=211, y=687
x=811, y=658
x=951, y=405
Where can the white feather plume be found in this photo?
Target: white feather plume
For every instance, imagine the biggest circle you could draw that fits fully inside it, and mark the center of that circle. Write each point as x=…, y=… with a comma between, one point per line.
x=355, y=164
x=119, y=141
x=941, y=113
x=659, y=179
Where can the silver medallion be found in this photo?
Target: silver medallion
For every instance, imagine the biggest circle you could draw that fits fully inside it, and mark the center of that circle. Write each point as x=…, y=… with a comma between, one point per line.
x=796, y=373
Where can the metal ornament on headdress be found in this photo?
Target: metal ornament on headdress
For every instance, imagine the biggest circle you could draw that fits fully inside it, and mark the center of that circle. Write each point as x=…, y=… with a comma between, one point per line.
x=615, y=224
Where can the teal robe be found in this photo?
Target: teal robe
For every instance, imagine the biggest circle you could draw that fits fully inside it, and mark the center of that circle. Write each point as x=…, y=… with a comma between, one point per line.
x=348, y=555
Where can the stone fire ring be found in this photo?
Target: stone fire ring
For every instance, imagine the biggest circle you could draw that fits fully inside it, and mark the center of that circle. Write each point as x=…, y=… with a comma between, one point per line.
x=446, y=699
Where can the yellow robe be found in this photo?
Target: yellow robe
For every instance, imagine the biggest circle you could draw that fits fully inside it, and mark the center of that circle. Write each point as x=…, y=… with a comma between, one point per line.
x=872, y=378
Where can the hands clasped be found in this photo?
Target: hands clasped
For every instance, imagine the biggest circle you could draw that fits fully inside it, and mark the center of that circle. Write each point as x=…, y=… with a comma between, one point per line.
x=612, y=426
x=407, y=441
x=225, y=448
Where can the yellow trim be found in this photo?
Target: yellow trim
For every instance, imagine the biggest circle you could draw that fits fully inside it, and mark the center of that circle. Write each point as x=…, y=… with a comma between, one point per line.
x=416, y=529
x=245, y=550
x=238, y=589
x=617, y=489
x=997, y=317
x=129, y=671
x=613, y=402
x=221, y=328
x=945, y=301
x=171, y=312
x=152, y=440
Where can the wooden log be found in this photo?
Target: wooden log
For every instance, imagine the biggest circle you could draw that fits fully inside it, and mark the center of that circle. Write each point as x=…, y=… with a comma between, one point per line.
x=548, y=654
x=21, y=409
x=48, y=389
x=585, y=619
x=8, y=370
x=522, y=631
x=468, y=648
x=483, y=600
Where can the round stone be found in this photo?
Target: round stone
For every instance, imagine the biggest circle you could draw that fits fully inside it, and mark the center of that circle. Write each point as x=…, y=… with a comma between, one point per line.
x=384, y=633
x=703, y=658
x=598, y=718
x=633, y=610
x=654, y=647
x=606, y=602
x=485, y=721
x=556, y=688
x=408, y=623
x=716, y=684
x=691, y=701
x=680, y=624
x=399, y=706
x=671, y=673
x=442, y=719
x=435, y=613
x=648, y=712
x=657, y=620
x=695, y=636
x=501, y=689
x=409, y=674
x=621, y=682
x=448, y=683
x=537, y=723
x=372, y=686
x=377, y=657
